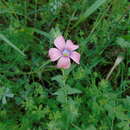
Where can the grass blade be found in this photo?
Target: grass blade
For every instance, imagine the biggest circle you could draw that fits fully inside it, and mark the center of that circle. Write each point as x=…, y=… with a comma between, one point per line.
x=2, y=37
x=89, y=11
x=42, y=33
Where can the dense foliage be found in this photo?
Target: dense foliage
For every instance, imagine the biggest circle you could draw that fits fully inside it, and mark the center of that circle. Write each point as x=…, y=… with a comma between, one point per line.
x=35, y=95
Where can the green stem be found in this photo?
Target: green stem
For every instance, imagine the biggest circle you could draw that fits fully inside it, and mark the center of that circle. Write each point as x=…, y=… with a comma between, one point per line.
x=64, y=83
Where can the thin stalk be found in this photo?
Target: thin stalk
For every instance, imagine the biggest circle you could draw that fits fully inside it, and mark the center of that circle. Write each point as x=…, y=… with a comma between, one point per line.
x=117, y=62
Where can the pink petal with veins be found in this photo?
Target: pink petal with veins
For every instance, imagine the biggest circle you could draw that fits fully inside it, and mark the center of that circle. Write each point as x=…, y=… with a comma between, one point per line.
x=64, y=62
x=70, y=46
x=60, y=42
x=54, y=54
x=75, y=56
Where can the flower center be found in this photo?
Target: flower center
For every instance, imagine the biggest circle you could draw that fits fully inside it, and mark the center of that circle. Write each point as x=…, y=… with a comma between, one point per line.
x=66, y=52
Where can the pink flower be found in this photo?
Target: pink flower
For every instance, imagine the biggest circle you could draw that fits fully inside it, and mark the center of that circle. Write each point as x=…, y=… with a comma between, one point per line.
x=64, y=52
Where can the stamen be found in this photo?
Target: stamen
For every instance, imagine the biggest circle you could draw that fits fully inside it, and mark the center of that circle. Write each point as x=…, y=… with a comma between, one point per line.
x=66, y=52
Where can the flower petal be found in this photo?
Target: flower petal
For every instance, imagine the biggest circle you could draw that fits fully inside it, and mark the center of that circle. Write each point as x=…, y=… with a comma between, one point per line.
x=70, y=46
x=54, y=54
x=60, y=42
x=75, y=56
x=64, y=62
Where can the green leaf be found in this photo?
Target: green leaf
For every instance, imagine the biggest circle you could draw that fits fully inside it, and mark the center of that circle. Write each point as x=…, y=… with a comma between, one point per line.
x=72, y=90
x=61, y=98
x=91, y=128
x=68, y=71
x=90, y=11
x=10, y=95
x=59, y=79
x=42, y=33
x=4, y=100
x=64, y=91
x=59, y=92
x=67, y=90
x=123, y=124
x=55, y=32
x=122, y=43
x=2, y=37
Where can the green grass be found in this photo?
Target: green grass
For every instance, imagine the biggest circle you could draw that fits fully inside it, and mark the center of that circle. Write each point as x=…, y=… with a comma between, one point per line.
x=35, y=95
